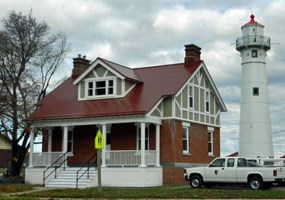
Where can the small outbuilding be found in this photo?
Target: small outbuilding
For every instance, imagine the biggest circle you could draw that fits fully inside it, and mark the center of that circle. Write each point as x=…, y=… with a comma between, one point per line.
x=5, y=152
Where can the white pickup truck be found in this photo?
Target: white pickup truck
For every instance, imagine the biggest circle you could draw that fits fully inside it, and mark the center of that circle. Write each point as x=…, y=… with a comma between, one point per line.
x=234, y=170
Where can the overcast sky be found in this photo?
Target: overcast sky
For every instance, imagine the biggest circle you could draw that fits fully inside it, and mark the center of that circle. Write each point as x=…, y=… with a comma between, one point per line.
x=140, y=33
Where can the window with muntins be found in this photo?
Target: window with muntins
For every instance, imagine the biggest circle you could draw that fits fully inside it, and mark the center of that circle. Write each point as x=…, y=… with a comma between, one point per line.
x=210, y=142
x=100, y=88
x=191, y=99
x=207, y=101
x=70, y=141
x=186, y=145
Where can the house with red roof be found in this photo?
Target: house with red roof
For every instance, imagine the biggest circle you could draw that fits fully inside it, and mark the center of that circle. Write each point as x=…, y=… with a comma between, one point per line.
x=154, y=120
x=5, y=152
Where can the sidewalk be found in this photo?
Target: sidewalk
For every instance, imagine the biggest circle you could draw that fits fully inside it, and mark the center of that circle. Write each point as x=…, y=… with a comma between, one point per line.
x=36, y=189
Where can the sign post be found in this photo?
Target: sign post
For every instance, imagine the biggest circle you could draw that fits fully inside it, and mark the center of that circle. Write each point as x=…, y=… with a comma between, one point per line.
x=99, y=145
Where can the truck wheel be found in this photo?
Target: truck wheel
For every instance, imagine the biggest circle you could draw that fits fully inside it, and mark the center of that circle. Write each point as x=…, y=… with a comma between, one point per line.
x=255, y=183
x=196, y=181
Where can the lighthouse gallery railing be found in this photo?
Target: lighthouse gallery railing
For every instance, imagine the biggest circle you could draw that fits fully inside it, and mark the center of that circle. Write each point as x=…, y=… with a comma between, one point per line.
x=253, y=40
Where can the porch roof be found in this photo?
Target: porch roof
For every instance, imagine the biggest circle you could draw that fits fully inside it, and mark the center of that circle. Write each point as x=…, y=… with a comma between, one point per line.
x=154, y=83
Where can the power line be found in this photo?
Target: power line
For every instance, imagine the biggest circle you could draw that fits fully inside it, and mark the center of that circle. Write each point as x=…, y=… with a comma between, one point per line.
x=277, y=132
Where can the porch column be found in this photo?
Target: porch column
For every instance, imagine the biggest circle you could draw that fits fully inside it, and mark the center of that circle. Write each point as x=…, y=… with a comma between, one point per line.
x=64, y=142
x=32, y=137
x=49, y=145
x=64, y=139
x=142, y=145
x=104, y=132
x=157, y=144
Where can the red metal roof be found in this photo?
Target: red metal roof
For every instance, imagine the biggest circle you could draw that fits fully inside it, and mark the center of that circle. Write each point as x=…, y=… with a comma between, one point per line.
x=123, y=70
x=252, y=21
x=155, y=83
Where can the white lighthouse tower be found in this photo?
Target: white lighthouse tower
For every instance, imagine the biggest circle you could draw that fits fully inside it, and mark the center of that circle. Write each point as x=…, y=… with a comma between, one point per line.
x=255, y=123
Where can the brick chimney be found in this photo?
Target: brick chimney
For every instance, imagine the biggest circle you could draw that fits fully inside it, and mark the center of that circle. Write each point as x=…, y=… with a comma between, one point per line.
x=192, y=54
x=80, y=64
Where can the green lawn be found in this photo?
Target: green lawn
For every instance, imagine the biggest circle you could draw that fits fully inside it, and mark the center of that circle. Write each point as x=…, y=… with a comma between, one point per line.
x=166, y=192
x=13, y=188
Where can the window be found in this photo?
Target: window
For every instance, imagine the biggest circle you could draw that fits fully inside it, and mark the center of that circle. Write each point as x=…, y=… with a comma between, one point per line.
x=242, y=162
x=108, y=139
x=220, y=162
x=231, y=162
x=210, y=142
x=255, y=91
x=100, y=88
x=146, y=139
x=191, y=103
x=70, y=141
x=90, y=87
x=186, y=146
x=110, y=87
x=207, y=101
x=254, y=53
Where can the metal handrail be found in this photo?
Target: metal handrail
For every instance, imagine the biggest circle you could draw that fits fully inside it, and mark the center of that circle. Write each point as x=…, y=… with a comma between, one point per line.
x=55, y=167
x=253, y=40
x=87, y=170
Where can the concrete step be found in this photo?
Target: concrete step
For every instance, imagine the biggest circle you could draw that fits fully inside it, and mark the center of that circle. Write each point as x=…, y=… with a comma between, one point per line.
x=67, y=178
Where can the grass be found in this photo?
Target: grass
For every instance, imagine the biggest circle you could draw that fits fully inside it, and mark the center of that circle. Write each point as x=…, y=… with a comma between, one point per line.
x=166, y=192
x=14, y=188
x=6, y=189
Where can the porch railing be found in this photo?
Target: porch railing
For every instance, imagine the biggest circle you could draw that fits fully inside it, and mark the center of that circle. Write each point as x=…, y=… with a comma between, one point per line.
x=45, y=158
x=55, y=165
x=91, y=162
x=129, y=157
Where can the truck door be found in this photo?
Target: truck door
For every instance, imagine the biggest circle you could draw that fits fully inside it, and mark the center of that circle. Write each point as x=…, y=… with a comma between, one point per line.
x=231, y=173
x=216, y=171
x=242, y=170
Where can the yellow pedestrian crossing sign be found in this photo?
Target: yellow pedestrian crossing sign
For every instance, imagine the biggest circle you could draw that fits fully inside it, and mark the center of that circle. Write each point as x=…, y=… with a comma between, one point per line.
x=99, y=140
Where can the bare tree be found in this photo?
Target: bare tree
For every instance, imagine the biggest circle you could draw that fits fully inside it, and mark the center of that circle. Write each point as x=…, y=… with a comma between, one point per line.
x=29, y=57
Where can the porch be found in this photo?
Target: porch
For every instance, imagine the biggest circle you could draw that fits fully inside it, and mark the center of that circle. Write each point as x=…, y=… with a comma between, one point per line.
x=139, y=167
x=122, y=168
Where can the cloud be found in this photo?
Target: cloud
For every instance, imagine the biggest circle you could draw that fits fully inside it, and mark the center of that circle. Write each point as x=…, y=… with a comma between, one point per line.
x=143, y=33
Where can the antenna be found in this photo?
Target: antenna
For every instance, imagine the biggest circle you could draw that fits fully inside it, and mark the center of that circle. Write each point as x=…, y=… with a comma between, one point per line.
x=276, y=43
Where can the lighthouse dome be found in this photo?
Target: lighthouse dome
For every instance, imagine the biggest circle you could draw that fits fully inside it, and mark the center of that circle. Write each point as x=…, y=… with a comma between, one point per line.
x=252, y=22
x=252, y=36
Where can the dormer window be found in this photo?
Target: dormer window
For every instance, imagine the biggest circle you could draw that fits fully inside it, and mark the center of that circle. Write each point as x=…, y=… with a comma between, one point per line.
x=100, y=88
